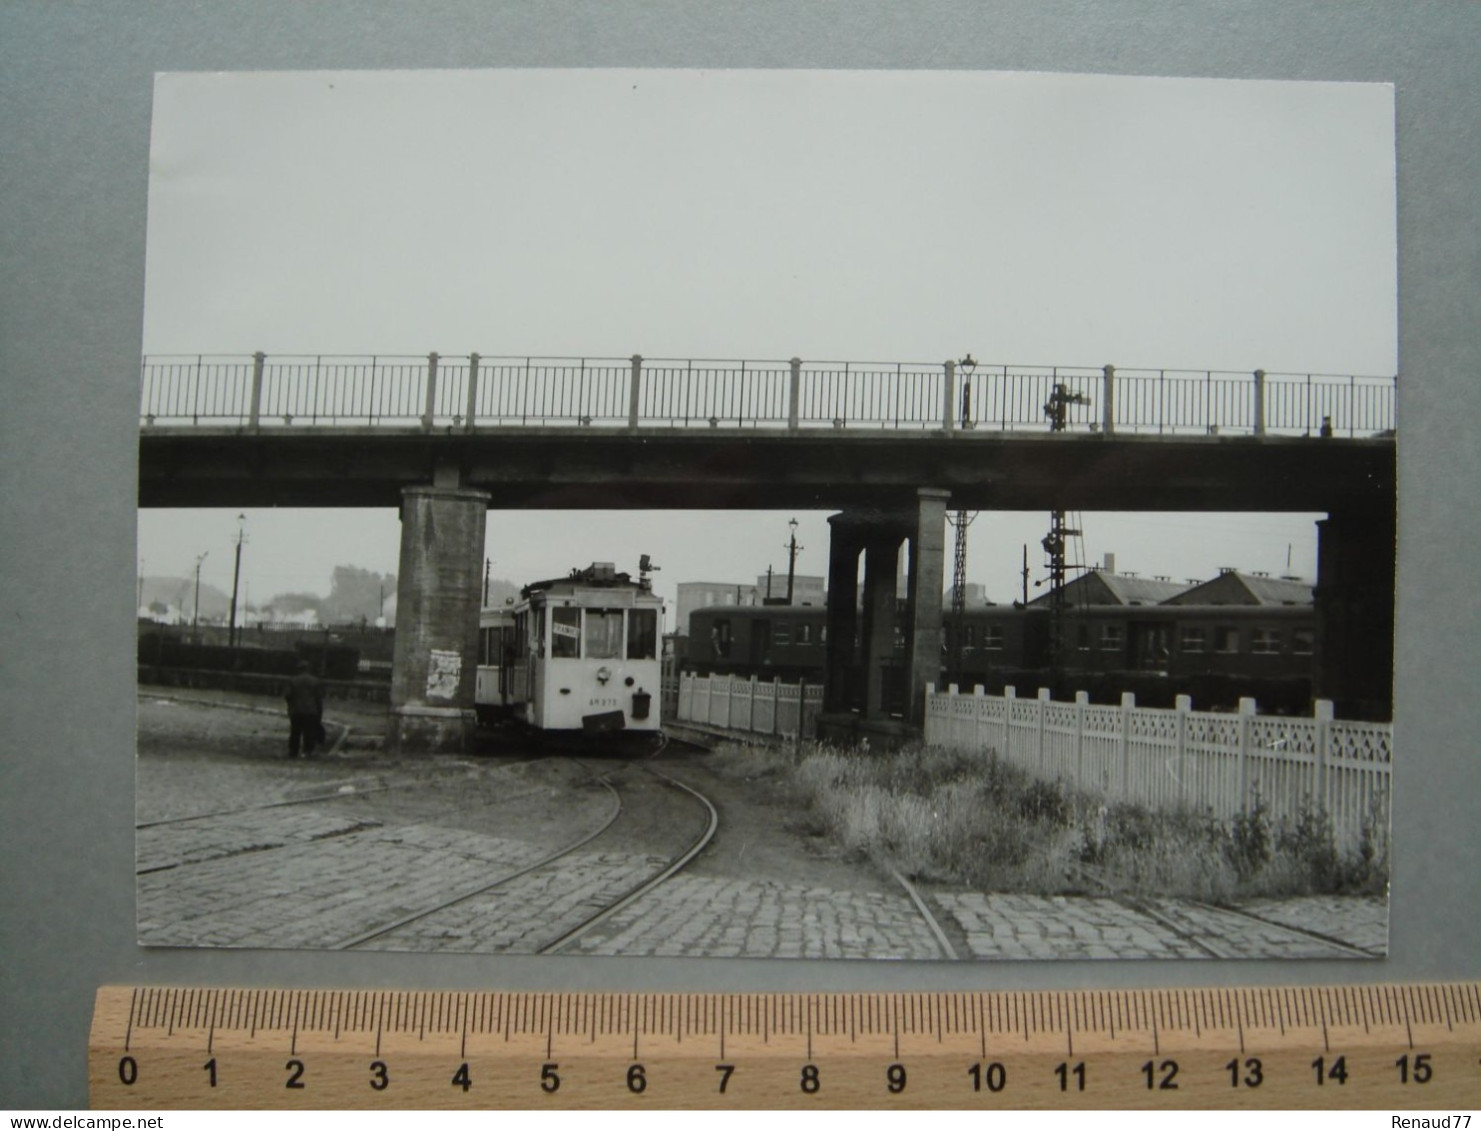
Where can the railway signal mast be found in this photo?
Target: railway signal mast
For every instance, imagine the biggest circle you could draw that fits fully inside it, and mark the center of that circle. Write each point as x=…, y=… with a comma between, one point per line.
x=1057, y=410
x=961, y=519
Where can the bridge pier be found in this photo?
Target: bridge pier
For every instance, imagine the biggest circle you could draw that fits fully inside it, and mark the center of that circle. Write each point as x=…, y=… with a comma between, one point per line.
x=881, y=569
x=844, y=544
x=927, y=583
x=1355, y=611
x=855, y=700
x=434, y=666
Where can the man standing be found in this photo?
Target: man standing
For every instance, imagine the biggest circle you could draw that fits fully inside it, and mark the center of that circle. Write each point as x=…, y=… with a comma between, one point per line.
x=305, y=696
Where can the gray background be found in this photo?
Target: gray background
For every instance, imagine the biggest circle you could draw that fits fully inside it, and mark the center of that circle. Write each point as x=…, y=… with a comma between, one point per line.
x=75, y=83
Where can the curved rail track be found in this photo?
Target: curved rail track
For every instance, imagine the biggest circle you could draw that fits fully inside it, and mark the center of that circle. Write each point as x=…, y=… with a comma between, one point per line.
x=629, y=893
x=678, y=863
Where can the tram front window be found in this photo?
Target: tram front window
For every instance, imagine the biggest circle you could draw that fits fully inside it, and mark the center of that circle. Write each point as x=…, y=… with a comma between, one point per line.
x=603, y=634
x=642, y=634
x=565, y=633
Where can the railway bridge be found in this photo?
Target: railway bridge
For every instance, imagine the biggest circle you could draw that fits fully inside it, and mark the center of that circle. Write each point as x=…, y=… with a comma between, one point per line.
x=891, y=446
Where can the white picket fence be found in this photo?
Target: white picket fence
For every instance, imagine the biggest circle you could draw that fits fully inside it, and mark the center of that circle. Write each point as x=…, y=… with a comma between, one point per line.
x=749, y=704
x=1203, y=759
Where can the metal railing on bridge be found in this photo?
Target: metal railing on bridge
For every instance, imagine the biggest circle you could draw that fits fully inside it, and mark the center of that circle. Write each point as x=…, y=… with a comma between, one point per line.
x=475, y=392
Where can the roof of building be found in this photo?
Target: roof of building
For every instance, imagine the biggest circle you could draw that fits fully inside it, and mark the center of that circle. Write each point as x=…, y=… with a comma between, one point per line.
x=1232, y=587
x=1100, y=587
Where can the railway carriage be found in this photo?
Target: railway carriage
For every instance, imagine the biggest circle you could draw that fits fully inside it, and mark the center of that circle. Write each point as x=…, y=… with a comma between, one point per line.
x=1216, y=653
x=577, y=654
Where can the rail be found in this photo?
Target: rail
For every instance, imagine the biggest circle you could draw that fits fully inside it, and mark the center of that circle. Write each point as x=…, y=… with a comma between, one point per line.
x=472, y=392
x=1205, y=760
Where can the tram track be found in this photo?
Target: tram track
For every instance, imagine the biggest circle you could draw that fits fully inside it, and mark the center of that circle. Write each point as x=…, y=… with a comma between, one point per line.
x=1346, y=949
x=679, y=862
x=1213, y=947
x=342, y=791
x=614, y=902
x=406, y=920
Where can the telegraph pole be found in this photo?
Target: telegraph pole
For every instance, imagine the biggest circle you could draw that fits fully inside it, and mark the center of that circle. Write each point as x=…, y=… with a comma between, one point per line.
x=195, y=612
x=236, y=578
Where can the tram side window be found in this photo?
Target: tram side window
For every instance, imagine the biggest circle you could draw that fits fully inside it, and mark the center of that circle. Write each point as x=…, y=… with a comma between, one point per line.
x=603, y=634
x=565, y=633
x=642, y=634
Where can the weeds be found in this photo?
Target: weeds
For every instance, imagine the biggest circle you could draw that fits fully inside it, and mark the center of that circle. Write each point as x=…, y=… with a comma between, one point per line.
x=976, y=820
x=1249, y=840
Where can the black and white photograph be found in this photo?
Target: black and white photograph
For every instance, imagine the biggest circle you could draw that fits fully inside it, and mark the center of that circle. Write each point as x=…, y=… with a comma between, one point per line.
x=941, y=516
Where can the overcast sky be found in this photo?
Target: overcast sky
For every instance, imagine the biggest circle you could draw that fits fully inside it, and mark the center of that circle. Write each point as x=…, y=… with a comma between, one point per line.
x=1031, y=219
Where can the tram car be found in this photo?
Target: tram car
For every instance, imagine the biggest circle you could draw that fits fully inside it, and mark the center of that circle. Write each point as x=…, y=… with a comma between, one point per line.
x=575, y=655
x=492, y=700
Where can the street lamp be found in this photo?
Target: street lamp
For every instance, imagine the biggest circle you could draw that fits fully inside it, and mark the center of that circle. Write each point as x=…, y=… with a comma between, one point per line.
x=967, y=365
x=792, y=548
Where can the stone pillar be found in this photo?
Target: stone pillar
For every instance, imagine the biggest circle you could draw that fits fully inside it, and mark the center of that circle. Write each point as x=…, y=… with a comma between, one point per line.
x=1354, y=660
x=880, y=566
x=843, y=590
x=434, y=667
x=927, y=578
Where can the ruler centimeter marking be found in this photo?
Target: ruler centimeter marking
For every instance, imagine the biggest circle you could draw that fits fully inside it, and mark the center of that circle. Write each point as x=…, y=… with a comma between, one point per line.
x=1404, y=1047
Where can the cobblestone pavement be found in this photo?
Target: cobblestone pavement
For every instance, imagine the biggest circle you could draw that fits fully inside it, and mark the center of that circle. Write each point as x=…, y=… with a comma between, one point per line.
x=1360, y=921
x=709, y=917
x=369, y=843
x=1032, y=926
x=528, y=913
x=321, y=893
x=207, y=838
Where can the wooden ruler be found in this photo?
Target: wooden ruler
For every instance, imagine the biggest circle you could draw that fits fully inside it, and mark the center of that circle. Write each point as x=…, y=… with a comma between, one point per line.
x=1404, y=1047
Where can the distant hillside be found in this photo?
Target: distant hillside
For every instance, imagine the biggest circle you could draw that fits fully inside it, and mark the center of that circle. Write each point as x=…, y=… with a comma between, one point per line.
x=356, y=595
x=178, y=594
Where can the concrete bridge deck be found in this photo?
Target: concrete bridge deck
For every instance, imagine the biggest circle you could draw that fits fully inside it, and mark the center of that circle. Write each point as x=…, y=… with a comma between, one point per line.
x=548, y=467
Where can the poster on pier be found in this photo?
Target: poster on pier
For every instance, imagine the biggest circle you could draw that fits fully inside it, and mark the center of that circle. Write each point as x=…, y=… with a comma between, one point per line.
x=842, y=515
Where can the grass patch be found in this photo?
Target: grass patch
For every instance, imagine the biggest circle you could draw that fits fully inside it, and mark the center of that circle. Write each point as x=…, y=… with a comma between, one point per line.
x=975, y=820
